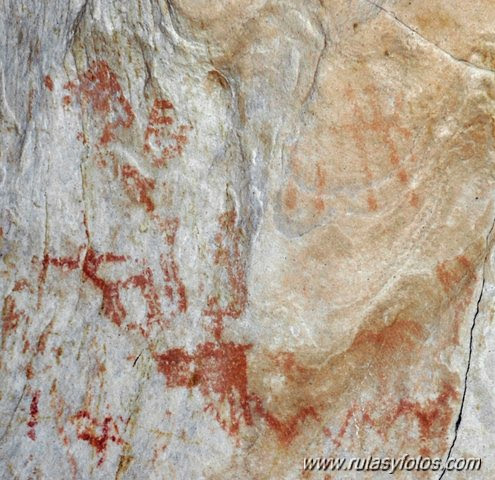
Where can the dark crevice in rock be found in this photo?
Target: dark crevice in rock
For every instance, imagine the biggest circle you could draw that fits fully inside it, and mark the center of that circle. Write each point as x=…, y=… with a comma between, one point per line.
x=9, y=423
x=433, y=44
x=459, y=417
x=471, y=340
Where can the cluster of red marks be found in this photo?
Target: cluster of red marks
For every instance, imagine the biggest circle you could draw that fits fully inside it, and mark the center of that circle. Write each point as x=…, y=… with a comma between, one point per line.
x=99, y=88
x=138, y=187
x=414, y=199
x=372, y=202
x=158, y=135
x=97, y=434
x=11, y=317
x=219, y=370
x=337, y=440
x=304, y=206
x=158, y=117
x=26, y=346
x=145, y=283
x=228, y=256
x=286, y=430
x=291, y=193
x=29, y=370
x=457, y=278
x=175, y=289
x=321, y=182
x=65, y=263
x=379, y=124
x=401, y=335
x=58, y=406
x=450, y=274
x=287, y=362
x=433, y=418
x=290, y=196
x=33, y=416
x=21, y=285
x=43, y=338
x=112, y=305
x=48, y=82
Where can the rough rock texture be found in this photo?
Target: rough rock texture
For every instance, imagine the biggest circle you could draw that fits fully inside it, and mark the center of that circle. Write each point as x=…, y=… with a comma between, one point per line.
x=235, y=234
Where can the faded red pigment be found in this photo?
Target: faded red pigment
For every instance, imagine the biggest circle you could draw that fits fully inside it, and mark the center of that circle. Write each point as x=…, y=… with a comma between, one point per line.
x=175, y=290
x=99, y=88
x=138, y=186
x=10, y=317
x=87, y=428
x=228, y=256
x=112, y=305
x=452, y=273
x=48, y=82
x=145, y=283
x=33, y=416
x=433, y=418
x=65, y=263
x=220, y=369
x=169, y=143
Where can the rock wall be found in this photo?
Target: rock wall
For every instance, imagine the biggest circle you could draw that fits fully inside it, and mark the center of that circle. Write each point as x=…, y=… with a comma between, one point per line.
x=235, y=234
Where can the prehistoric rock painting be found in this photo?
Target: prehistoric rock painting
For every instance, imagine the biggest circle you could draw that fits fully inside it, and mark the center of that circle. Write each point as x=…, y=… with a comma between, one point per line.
x=237, y=237
x=99, y=89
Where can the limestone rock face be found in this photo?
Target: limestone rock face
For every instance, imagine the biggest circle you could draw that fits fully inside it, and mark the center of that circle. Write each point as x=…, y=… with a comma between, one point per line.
x=235, y=234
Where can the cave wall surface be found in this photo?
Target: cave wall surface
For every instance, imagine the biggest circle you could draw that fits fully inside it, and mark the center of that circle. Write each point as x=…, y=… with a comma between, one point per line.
x=235, y=234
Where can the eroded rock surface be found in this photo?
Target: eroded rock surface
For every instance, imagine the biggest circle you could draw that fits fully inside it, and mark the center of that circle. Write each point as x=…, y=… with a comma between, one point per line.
x=235, y=234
